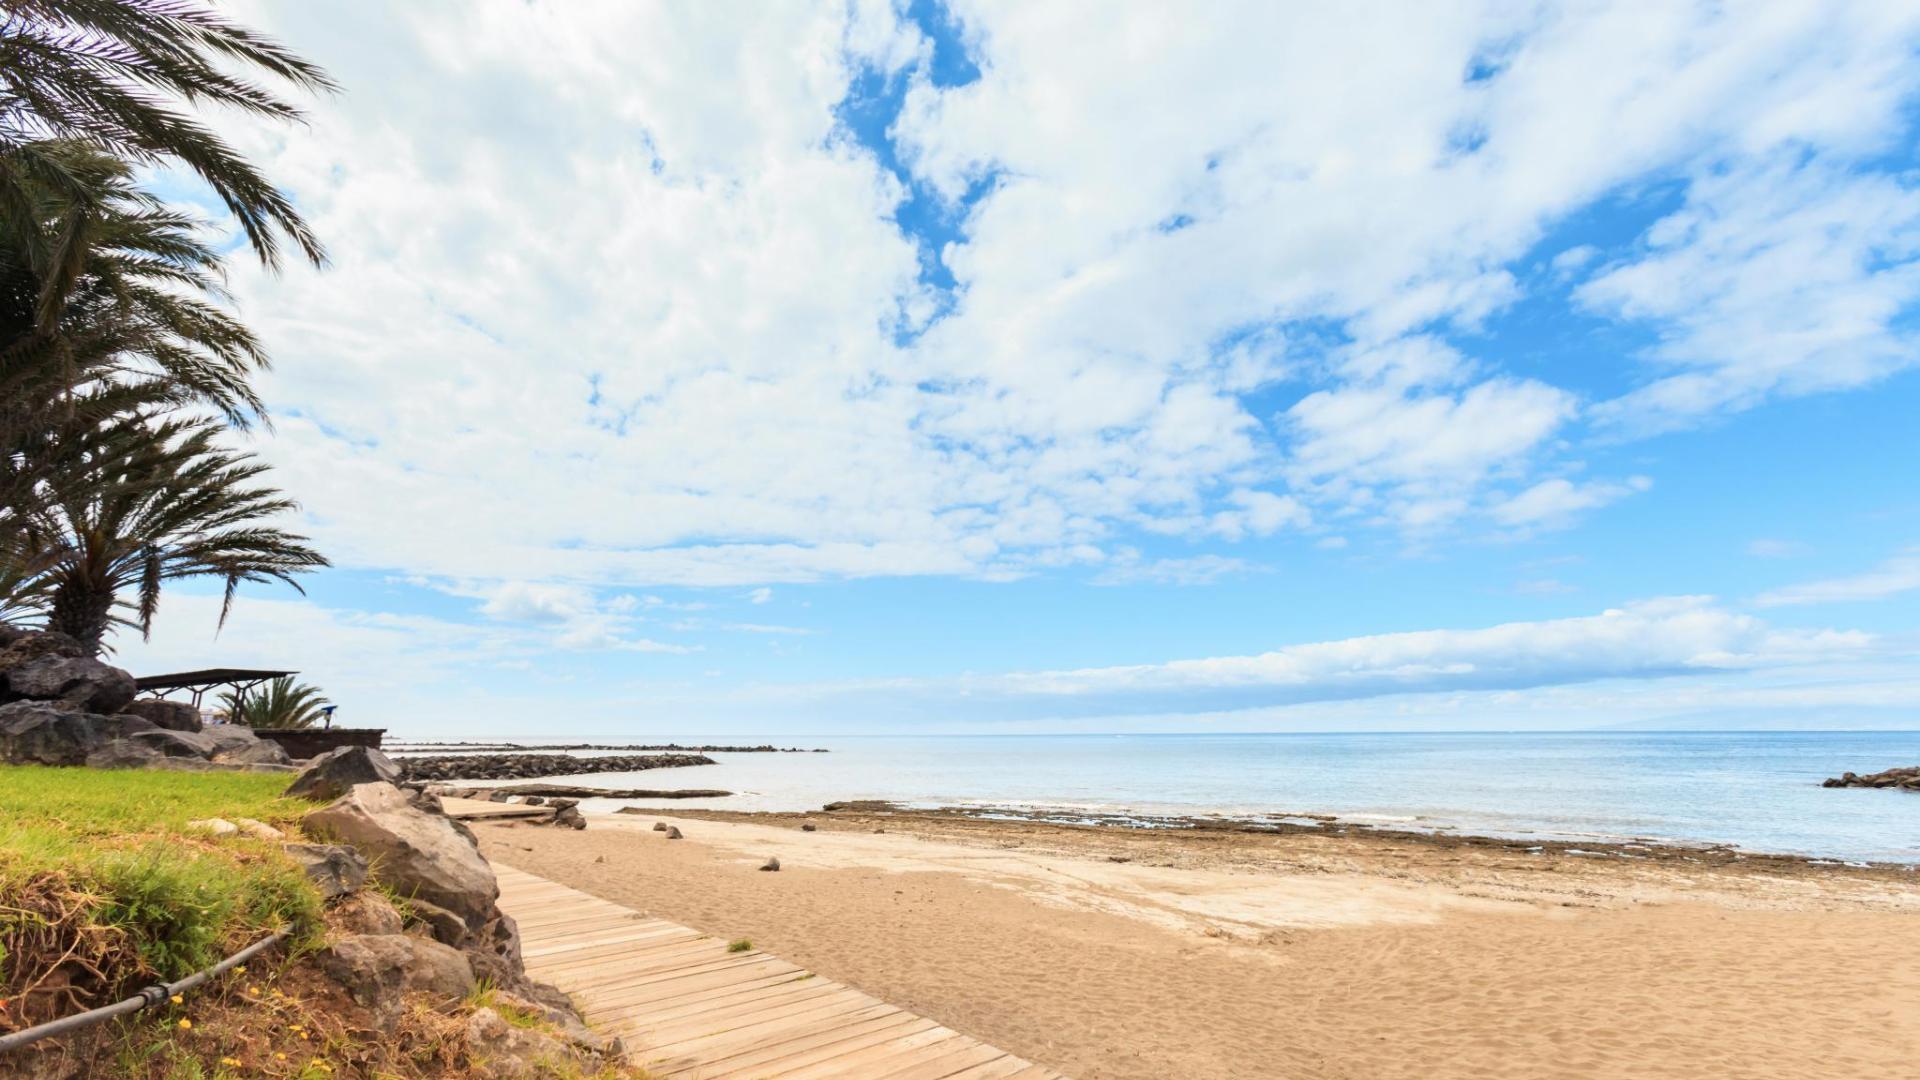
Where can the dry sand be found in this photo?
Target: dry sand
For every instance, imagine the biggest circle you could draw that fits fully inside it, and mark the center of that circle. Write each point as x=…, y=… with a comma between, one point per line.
x=1108, y=952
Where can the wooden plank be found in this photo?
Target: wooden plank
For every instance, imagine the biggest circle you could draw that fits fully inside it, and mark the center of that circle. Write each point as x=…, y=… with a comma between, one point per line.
x=786, y=1055
x=688, y=1008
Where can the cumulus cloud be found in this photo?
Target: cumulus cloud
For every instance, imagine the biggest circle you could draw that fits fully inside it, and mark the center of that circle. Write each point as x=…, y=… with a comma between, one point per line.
x=1555, y=501
x=1899, y=574
x=1381, y=680
x=1194, y=570
x=1660, y=657
x=617, y=297
x=1647, y=639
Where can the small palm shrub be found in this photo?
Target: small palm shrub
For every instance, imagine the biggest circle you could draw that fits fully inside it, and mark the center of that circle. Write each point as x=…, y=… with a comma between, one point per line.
x=280, y=704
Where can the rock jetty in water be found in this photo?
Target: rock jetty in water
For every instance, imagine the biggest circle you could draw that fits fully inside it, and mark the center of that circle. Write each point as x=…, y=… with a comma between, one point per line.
x=1907, y=779
x=408, y=747
x=533, y=766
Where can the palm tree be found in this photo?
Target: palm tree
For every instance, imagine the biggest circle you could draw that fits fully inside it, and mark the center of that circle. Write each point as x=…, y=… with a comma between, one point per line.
x=281, y=704
x=112, y=288
x=116, y=73
x=138, y=502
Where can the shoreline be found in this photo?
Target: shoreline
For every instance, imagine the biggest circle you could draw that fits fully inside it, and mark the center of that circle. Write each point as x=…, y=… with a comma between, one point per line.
x=1278, y=823
x=1115, y=953
x=1653, y=850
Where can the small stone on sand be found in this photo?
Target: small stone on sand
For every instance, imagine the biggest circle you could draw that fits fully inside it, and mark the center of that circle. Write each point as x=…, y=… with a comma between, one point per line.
x=772, y=863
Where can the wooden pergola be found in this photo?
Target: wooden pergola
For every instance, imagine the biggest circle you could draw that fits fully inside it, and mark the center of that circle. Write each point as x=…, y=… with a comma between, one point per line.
x=197, y=683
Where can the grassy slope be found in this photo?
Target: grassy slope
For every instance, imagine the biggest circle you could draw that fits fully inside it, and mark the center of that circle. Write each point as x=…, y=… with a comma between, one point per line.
x=100, y=868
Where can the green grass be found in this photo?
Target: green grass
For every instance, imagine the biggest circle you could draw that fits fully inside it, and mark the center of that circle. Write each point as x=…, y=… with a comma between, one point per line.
x=100, y=863
x=107, y=802
x=742, y=945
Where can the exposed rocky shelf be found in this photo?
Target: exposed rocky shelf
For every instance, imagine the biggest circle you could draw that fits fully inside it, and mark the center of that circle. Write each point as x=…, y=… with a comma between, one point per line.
x=1907, y=779
x=533, y=766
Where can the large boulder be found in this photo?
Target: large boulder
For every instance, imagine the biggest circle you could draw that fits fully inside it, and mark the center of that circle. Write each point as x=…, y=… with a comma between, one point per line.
x=124, y=754
x=378, y=970
x=257, y=752
x=339, y=770
x=81, y=680
x=413, y=852
x=229, y=737
x=122, y=725
x=46, y=733
x=334, y=869
x=179, y=744
x=172, y=715
x=366, y=912
x=23, y=646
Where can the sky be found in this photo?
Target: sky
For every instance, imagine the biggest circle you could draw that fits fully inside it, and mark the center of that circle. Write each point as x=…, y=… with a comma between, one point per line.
x=725, y=369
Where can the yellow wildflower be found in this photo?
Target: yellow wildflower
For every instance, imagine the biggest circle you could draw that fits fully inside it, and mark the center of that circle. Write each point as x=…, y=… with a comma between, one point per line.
x=230, y=1061
x=177, y=1000
x=186, y=1024
x=242, y=969
x=278, y=1056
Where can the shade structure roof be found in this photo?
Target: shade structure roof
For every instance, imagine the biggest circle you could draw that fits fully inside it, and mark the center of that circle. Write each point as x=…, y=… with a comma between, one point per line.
x=209, y=677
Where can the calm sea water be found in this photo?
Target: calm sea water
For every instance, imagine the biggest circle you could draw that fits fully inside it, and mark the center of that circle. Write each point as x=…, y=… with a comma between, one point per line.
x=1757, y=790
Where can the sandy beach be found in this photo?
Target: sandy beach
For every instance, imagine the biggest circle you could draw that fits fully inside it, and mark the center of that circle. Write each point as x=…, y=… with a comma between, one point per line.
x=1125, y=953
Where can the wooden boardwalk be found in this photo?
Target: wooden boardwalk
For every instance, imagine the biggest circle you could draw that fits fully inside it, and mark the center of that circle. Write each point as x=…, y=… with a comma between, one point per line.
x=690, y=1009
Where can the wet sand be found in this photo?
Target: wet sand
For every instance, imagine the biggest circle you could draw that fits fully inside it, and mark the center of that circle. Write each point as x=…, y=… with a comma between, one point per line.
x=1215, y=952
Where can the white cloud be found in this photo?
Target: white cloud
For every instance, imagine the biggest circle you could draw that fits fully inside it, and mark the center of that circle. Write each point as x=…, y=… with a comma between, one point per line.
x=615, y=300
x=1649, y=638
x=1764, y=548
x=760, y=596
x=1784, y=278
x=426, y=676
x=531, y=602
x=1642, y=644
x=1553, y=502
x=1195, y=570
x=1899, y=574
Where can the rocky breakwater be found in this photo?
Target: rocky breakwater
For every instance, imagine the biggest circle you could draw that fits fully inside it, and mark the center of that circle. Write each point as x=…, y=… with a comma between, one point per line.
x=1907, y=779
x=534, y=766
x=59, y=706
x=446, y=937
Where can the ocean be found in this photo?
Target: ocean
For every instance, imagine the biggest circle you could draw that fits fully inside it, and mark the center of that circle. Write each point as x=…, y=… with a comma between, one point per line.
x=1758, y=791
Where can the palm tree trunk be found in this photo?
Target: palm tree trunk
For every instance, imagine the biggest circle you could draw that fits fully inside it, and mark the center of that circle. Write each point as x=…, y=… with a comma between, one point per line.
x=82, y=613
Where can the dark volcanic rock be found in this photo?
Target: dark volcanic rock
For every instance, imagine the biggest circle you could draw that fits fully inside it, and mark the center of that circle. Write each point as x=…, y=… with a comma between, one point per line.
x=124, y=754
x=186, y=744
x=336, y=869
x=257, y=752
x=335, y=772
x=24, y=646
x=1907, y=779
x=81, y=680
x=172, y=715
x=417, y=853
x=230, y=737
x=532, y=766
x=378, y=969
x=44, y=733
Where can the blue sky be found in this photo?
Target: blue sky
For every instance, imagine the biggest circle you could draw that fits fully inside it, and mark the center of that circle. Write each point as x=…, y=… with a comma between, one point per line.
x=980, y=367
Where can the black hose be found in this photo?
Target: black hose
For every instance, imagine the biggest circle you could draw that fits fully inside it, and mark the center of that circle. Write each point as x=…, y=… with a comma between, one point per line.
x=152, y=995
